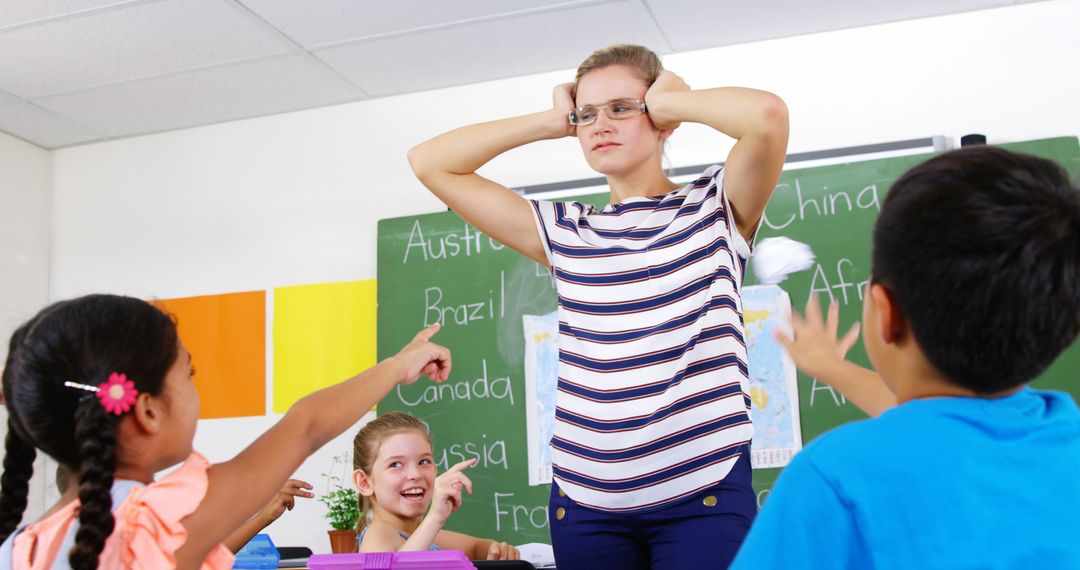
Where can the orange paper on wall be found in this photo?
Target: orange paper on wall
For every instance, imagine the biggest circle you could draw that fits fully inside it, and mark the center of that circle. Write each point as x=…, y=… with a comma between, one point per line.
x=226, y=335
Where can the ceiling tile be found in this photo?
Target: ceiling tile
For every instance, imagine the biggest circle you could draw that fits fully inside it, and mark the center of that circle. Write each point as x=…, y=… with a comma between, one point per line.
x=318, y=22
x=692, y=24
x=204, y=96
x=138, y=41
x=18, y=12
x=41, y=127
x=85, y=70
x=488, y=50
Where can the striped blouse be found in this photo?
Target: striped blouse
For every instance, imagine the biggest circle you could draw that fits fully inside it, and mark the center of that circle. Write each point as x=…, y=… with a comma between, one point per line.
x=652, y=400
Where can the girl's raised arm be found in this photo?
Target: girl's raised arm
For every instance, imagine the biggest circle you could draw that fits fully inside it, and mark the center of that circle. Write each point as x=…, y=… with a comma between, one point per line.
x=477, y=548
x=445, y=500
x=447, y=166
x=240, y=486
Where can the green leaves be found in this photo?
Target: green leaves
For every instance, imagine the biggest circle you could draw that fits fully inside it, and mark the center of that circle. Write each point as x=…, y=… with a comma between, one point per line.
x=342, y=503
x=342, y=508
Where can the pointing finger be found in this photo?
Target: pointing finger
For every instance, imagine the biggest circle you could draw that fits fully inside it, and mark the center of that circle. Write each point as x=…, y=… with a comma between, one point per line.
x=463, y=465
x=426, y=334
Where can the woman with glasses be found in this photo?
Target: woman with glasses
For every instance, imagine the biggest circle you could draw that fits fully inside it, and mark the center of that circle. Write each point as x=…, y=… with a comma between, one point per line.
x=650, y=450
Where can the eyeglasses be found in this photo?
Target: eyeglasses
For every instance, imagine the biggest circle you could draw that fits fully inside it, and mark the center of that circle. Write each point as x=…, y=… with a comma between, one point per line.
x=616, y=109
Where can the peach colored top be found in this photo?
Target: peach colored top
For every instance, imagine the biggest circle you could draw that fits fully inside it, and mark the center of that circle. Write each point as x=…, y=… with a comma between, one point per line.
x=148, y=530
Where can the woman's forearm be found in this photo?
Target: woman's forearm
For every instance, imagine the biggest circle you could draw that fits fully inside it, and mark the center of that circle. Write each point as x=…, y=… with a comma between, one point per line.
x=735, y=111
x=464, y=150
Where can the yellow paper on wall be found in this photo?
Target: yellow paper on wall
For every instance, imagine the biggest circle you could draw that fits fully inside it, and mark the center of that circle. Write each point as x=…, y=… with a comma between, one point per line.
x=323, y=334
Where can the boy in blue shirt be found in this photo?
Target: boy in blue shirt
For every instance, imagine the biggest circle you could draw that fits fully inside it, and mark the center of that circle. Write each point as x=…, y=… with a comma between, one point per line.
x=975, y=290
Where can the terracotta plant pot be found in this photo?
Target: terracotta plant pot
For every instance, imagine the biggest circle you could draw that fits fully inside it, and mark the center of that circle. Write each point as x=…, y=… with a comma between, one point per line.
x=342, y=541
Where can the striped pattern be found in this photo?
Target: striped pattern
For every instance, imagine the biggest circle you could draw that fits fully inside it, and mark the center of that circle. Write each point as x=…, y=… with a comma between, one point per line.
x=652, y=400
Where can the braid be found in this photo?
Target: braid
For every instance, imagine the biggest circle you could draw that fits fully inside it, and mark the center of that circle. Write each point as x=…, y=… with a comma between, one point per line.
x=83, y=340
x=95, y=434
x=18, y=467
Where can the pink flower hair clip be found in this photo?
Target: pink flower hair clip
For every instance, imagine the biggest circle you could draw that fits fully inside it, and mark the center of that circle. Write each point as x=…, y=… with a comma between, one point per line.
x=117, y=393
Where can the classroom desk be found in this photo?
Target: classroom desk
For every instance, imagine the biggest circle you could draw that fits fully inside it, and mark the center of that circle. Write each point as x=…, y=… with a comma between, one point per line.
x=480, y=565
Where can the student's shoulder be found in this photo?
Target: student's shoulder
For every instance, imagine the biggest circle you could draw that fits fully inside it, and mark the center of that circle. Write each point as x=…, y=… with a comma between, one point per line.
x=706, y=181
x=381, y=537
x=1059, y=405
x=864, y=441
x=560, y=210
x=171, y=498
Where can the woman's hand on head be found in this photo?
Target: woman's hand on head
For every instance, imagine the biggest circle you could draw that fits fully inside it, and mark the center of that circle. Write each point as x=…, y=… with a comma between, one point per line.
x=502, y=551
x=561, y=105
x=666, y=83
x=448, y=486
x=421, y=357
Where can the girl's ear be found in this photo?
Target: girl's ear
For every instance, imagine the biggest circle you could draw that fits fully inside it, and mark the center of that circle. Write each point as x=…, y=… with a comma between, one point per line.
x=148, y=413
x=665, y=133
x=364, y=484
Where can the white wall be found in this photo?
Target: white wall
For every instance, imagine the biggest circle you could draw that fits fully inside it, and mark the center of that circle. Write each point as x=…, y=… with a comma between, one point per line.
x=25, y=184
x=25, y=190
x=294, y=198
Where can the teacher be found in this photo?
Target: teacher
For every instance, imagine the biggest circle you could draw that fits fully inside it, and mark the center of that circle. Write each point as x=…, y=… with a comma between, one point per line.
x=651, y=444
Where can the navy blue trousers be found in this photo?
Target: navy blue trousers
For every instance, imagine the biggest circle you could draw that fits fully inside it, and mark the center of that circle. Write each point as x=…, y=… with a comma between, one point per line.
x=702, y=531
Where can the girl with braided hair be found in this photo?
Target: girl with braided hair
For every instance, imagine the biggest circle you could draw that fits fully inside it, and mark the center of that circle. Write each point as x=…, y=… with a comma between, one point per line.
x=103, y=385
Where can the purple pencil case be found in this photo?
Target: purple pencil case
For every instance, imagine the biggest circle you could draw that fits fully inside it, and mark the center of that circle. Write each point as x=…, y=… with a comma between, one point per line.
x=427, y=560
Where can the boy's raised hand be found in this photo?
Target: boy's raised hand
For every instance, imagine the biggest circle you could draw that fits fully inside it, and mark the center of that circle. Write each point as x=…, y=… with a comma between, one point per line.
x=421, y=357
x=447, y=497
x=815, y=346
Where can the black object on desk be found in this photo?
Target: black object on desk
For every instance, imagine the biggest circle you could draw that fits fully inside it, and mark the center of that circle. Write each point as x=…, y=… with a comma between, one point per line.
x=293, y=556
x=503, y=565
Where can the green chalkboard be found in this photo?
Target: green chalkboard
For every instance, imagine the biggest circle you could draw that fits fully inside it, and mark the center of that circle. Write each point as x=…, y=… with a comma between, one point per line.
x=833, y=208
x=438, y=268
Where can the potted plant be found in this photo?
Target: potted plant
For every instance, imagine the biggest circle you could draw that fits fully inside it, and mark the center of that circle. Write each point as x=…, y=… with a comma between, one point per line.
x=342, y=508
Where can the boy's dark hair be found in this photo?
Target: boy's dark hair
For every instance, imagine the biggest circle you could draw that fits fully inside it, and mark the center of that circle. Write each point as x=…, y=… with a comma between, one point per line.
x=81, y=340
x=980, y=248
